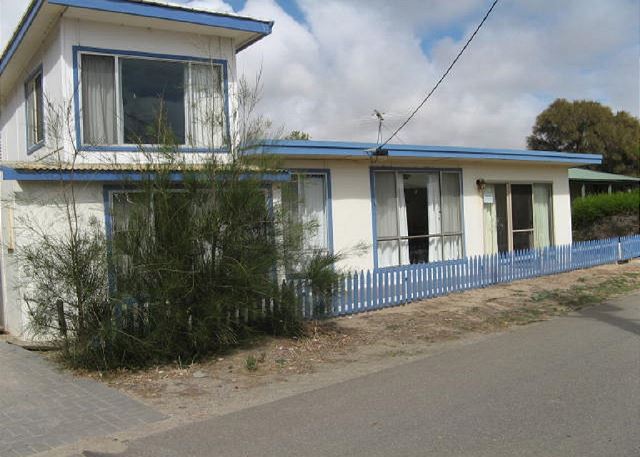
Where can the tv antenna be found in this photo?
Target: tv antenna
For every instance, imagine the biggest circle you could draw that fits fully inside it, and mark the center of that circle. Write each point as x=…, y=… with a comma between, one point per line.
x=380, y=117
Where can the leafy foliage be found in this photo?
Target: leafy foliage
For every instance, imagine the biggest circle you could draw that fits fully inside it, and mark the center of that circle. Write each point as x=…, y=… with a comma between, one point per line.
x=191, y=268
x=202, y=259
x=589, y=209
x=298, y=135
x=589, y=127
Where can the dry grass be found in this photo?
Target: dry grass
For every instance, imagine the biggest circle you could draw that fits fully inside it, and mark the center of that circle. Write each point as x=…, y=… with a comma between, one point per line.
x=202, y=388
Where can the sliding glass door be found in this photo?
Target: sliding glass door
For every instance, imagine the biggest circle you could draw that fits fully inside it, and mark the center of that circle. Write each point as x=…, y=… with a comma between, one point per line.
x=522, y=216
x=516, y=216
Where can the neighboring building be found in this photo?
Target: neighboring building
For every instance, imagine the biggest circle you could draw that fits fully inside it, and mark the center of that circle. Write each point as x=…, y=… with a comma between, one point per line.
x=108, y=59
x=584, y=182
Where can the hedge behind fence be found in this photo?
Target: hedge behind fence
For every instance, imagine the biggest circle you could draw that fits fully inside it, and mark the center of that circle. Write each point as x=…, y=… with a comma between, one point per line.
x=592, y=208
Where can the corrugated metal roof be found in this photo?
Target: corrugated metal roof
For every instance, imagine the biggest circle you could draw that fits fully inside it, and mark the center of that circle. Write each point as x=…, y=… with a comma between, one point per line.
x=104, y=172
x=581, y=174
x=199, y=8
x=89, y=167
x=255, y=28
x=343, y=149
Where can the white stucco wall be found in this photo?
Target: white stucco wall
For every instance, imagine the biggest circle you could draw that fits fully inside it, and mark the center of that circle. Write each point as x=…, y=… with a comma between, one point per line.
x=13, y=121
x=352, y=210
x=56, y=57
x=557, y=176
x=31, y=207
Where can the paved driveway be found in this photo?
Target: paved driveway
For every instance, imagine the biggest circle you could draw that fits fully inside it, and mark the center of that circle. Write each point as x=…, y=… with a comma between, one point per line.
x=569, y=387
x=42, y=408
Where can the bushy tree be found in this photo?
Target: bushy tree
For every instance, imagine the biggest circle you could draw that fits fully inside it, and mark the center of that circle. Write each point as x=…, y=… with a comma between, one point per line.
x=194, y=265
x=589, y=127
x=298, y=135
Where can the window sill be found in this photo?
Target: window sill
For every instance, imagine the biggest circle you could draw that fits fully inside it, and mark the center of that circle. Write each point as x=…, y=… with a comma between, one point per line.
x=147, y=148
x=34, y=147
x=417, y=265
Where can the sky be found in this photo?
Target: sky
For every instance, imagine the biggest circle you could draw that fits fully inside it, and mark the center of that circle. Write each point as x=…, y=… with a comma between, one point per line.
x=328, y=64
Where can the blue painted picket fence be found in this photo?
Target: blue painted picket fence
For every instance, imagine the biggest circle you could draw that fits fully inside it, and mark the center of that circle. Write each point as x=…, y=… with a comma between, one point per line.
x=370, y=290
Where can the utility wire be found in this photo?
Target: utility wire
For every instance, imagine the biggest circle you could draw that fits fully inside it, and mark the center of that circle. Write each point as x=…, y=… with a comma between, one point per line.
x=441, y=79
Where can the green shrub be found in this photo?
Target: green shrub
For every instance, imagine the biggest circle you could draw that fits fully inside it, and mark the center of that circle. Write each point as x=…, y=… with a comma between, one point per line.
x=189, y=268
x=589, y=209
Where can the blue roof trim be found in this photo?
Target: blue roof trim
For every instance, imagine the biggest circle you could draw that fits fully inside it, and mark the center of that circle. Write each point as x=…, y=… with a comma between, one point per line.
x=16, y=174
x=18, y=35
x=167, y=12
x=349, y=149
x=172, y=13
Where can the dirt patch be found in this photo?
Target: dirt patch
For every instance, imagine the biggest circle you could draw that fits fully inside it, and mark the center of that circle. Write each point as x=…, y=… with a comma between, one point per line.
x=345, y=347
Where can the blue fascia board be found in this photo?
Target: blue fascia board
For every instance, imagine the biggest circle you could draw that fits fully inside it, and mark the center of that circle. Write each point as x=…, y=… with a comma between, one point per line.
x=349, y=149
x=16, y=174
x=172, y=13
x=19, y=33
x=167, y=12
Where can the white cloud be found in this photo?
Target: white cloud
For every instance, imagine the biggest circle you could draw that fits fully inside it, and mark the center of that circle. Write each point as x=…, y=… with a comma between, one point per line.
x=212, y=5
x=327, y=76
x=12, y=11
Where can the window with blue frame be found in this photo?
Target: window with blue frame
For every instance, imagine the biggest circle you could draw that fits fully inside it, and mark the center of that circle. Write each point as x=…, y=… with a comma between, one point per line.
x=34, y=105
x=418, y=216
x=144, y=101
x=306, y=197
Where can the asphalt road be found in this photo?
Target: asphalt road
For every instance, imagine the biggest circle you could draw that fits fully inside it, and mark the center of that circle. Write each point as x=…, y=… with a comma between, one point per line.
x=568, y=387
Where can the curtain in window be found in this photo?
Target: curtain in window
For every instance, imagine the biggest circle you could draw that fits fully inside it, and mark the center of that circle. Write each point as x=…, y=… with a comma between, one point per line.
x=541, y=222
x=490, y=220
x=386, y=218
x=403, y=227
x=31, y=114
x=35, y=110
x=312, y=193
x=434, y=216
x=206, y=106
x=98, y=100
x=452, y=245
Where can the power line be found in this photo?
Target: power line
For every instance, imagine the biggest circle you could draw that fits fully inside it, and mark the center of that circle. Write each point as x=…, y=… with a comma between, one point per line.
x=441, y=79
x=398, y=137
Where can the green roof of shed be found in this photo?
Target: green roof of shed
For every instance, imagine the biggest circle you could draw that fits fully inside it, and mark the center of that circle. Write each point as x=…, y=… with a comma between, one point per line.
x=581, y=174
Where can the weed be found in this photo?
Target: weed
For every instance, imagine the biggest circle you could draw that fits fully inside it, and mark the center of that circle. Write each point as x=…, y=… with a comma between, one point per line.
x=251, y=363
x=579, y=296
x=544, y=295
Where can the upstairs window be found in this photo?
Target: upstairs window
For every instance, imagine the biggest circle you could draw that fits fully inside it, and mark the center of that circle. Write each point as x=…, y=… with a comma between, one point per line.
x=35, y=112
x=125, y=100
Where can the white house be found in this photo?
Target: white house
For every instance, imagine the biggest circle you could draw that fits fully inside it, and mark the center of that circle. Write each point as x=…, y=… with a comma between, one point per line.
x=104, y=61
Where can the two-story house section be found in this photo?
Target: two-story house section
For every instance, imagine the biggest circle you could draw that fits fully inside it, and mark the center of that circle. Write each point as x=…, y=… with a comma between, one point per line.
x=102, y=63
x=80, y=81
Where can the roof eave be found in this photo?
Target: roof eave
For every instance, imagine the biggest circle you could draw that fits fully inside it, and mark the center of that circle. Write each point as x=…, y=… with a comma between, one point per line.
x=257, y=28
x=334, y=149
x=22, y=172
